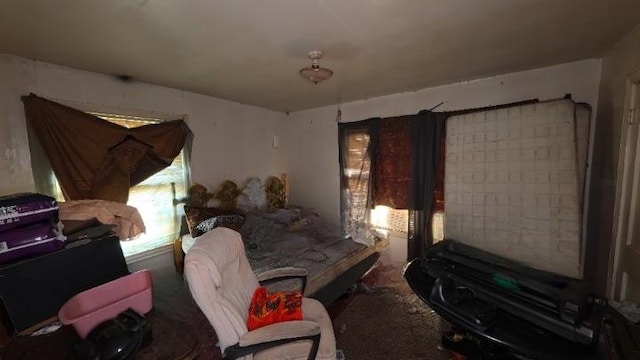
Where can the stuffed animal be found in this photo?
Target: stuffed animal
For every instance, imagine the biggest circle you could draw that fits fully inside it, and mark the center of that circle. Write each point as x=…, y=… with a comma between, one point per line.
x=275, y=191
x=198, y=195
x=252, y=196
x=227, y=193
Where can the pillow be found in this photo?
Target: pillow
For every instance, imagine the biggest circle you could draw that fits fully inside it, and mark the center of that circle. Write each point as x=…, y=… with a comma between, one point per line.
x=270, y=308
x=233, y=222
x=197, y=215
x=252, y=197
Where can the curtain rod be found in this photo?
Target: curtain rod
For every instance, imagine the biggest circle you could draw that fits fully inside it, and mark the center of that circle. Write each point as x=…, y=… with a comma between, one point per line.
x=113, y=109
x=361, y=123
x=491, y=107
x=500, y=106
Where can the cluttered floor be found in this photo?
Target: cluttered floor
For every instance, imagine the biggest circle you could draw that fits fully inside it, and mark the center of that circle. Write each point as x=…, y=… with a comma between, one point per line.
x=381, y=318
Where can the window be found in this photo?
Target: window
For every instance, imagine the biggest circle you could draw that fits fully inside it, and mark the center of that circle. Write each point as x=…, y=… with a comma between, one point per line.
x=388, y=219
x=357, y=164
x=154, y=198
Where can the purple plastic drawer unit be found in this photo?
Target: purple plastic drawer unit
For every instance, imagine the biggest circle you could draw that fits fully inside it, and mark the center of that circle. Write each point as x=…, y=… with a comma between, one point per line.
x=19, y=210
x=35, y=239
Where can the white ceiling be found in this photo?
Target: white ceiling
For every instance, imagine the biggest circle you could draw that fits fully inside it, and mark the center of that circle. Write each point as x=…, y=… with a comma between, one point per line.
x=250, y=51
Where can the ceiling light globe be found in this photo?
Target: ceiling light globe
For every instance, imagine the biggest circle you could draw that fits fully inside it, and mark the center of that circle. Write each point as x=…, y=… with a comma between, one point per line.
x=315, y=74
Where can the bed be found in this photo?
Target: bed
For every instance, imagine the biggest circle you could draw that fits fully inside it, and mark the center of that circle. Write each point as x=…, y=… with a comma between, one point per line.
x=299, y=237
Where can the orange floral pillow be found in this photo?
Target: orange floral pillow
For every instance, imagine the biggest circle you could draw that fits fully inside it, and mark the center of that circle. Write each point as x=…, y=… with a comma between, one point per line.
x=269, y=308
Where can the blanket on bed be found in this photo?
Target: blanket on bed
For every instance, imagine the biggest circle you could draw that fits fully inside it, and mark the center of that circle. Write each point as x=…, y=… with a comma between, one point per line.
x=298, y=237
x=294, y=237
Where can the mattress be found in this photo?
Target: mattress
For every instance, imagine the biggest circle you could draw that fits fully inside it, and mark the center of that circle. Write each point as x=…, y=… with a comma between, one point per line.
x=514, y=180
x=317, y=247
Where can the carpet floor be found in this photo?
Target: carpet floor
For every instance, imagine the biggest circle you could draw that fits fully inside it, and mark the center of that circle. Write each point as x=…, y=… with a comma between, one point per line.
x=380, y=318
x=387, y=325
x=384, y=319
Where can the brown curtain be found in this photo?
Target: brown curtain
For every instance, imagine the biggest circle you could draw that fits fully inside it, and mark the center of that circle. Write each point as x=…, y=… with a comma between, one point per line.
x=95, y=159
x=392, y=170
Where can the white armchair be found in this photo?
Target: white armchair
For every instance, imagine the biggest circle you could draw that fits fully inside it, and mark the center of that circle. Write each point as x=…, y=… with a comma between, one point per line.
x=222, y=283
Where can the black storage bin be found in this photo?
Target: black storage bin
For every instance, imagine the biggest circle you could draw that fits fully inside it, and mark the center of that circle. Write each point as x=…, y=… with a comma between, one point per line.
x=34, y=289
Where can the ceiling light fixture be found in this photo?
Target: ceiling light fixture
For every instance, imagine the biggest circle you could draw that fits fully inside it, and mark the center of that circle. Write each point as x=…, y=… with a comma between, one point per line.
x=315, y=73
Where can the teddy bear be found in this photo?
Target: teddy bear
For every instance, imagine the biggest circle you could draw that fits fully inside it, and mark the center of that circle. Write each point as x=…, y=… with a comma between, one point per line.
x=199, y=196
x=227, y=193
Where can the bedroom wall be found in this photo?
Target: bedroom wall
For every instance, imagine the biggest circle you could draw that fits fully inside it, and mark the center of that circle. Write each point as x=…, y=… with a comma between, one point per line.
x=619, y=61
x=311, y=137
x=232, y=140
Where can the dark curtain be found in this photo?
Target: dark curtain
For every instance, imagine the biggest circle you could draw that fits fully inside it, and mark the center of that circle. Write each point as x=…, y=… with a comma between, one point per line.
x=427, y=133
x=95, y=159
x=438, y=193
x=392, y=163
